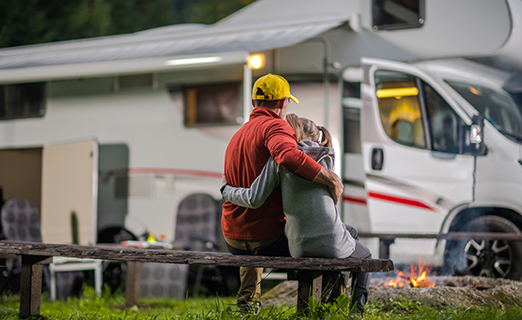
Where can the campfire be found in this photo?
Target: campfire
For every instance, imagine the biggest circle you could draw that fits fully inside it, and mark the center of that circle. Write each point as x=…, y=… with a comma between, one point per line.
x=417, y=277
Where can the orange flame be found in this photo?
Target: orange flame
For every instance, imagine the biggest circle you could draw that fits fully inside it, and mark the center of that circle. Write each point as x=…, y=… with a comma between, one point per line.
x=418, y=277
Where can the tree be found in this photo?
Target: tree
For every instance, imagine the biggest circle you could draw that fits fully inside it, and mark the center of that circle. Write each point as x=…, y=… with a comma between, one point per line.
x=40, y=21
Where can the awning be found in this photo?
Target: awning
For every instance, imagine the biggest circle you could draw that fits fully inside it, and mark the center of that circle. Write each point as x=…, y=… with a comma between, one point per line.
x=169, y=42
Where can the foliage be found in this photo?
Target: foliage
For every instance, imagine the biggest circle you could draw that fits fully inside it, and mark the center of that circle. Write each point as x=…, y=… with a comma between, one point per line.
x=40, y=21
x=110, y=307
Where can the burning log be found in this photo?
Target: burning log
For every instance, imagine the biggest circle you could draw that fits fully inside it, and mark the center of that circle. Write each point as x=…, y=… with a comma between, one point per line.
x=418, y=277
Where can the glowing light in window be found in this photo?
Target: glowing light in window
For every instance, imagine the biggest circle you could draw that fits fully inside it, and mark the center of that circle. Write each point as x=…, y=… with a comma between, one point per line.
x=475, y=91
x=397, y=92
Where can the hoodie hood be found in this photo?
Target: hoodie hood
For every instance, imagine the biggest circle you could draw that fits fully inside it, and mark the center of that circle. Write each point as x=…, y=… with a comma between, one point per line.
x=323, y=155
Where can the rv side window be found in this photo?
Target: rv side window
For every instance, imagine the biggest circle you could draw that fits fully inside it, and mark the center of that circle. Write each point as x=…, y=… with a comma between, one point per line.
x=352, y=130
x=212, y=105
x=352, y=105
x=397, y=14
x=25, y=100
x=399, y=108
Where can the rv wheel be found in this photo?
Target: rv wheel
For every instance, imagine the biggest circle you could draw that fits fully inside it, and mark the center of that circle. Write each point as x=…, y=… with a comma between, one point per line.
x=492, y=258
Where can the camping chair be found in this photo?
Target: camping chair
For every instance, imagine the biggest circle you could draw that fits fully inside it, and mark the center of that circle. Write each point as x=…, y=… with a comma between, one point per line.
x=21, y=222
x=196, y=230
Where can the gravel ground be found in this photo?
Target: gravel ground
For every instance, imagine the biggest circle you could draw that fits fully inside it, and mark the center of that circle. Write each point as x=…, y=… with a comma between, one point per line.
x=449, y=291
x=456, y=292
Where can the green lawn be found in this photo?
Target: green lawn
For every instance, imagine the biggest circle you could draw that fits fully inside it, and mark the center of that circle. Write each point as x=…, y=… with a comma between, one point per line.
x=110, y=307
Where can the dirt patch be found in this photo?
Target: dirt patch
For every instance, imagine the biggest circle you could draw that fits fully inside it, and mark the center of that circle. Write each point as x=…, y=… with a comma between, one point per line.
x=456, y=292
x=450, y=291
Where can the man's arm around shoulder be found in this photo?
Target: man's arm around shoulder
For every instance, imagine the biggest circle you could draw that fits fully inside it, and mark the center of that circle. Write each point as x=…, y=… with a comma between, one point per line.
x=332, y=181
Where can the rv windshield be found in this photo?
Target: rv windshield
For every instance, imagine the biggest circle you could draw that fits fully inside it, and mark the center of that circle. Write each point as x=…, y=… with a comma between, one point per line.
x=496, y=106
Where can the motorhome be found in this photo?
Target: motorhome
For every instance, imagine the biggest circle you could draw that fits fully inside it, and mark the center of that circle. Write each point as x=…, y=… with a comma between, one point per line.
x=420, y=96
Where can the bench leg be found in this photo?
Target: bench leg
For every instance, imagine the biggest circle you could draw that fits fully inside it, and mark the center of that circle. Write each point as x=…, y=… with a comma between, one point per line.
x=309, y=283
x=31, y=285
x=384, y=248
x=98, y=278
x=132, y=284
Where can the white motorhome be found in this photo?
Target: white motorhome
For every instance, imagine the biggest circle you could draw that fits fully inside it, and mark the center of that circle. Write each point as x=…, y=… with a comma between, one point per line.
x=121, y=129
x=435, y=144
x=431, y=163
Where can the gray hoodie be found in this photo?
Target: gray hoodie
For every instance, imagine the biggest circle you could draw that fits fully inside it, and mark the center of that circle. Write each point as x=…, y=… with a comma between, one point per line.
x=313, y=226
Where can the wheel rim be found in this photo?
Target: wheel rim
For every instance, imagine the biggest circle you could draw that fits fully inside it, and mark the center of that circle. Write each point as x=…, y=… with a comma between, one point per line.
x=488, y=258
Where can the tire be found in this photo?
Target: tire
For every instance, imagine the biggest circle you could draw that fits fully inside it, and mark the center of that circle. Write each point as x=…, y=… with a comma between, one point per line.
x=488, y=258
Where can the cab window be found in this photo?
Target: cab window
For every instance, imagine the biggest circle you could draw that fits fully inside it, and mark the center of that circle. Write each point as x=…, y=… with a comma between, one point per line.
x=399, y=108
x=412, y=113
x=443, y=122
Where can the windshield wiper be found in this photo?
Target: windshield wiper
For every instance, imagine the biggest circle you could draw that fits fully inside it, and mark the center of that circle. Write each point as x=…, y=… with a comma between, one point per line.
x=511, y=135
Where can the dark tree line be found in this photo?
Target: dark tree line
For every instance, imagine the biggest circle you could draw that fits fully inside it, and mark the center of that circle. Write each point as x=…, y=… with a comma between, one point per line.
x=24, y=22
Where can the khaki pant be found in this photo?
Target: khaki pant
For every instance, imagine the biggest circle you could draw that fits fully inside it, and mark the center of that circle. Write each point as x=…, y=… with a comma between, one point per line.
x=250, y=288
x=250, y=277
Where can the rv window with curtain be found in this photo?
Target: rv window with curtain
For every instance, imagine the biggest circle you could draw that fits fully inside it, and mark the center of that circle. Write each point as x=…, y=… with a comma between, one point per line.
x=397, y=14
x=212, y=105
x=25, y=100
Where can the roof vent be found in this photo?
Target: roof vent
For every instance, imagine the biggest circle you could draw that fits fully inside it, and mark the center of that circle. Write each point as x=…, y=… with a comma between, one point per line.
x=136, y=82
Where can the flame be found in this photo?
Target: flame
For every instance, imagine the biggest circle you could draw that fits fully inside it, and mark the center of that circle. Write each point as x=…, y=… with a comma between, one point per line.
x=418, y=277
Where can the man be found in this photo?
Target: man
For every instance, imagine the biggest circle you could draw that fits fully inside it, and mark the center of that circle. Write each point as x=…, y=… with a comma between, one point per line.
x=260, y=231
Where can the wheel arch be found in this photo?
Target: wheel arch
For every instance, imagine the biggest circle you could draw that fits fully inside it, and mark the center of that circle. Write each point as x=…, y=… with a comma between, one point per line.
x=459, y=217
x=455, y=254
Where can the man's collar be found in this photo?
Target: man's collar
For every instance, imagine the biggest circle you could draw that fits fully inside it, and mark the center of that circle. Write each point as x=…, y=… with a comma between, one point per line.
x=263, y=111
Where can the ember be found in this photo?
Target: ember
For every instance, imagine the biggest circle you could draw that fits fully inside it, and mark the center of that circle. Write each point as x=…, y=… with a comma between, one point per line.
x=417, y=277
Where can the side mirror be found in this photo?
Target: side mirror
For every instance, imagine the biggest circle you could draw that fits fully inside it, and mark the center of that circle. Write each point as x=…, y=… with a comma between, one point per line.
x=475, y=136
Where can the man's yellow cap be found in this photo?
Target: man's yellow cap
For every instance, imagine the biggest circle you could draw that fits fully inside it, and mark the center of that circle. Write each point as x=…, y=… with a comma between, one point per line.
x=272, y=87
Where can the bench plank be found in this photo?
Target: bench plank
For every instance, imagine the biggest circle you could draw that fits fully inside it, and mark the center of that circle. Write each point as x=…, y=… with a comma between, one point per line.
x=193, y=257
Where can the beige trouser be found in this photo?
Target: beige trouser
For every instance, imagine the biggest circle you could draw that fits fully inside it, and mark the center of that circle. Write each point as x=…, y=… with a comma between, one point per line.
x=250, y=277
x=250, y=288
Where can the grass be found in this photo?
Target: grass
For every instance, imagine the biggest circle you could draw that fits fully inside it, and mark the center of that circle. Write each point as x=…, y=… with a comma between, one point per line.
x=109, y=307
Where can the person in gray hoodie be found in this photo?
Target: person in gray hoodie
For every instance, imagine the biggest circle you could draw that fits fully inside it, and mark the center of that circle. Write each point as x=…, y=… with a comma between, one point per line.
x=313, y=226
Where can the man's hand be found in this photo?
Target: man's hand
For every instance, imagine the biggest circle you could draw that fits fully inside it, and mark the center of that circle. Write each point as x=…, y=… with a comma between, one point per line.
x=332, y=181
x=223, y=179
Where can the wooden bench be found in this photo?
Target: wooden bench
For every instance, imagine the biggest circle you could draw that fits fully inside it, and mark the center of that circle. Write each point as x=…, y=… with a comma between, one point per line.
x=309, y=274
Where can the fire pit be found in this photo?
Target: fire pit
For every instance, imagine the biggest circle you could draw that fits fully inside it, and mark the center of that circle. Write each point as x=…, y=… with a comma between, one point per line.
x=421, y=284
x=455, y=291
x=417, y=277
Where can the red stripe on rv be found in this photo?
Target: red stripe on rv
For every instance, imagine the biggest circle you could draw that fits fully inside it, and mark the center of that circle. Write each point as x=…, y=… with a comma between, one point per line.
x=355, y=200
x=181, y=172
x=408, y=202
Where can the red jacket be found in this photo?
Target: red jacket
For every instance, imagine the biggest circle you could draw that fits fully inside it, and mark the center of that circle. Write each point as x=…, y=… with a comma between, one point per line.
x=264, y=135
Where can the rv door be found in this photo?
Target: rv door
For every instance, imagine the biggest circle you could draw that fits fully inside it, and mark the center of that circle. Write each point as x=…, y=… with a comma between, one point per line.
x=414, y=162
x=69, y=192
